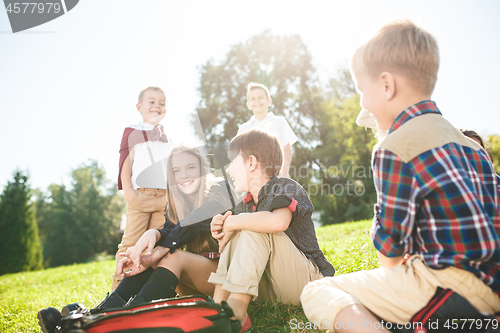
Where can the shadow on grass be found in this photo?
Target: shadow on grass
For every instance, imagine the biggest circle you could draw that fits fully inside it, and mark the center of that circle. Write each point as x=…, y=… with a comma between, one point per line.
x=276, y=317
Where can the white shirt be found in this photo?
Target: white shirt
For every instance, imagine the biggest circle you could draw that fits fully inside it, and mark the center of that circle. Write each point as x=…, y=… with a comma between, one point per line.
x=273, y=124
x=141, y=159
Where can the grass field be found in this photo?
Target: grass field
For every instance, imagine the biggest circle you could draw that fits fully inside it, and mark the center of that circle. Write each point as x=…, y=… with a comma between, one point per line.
x=347, y=246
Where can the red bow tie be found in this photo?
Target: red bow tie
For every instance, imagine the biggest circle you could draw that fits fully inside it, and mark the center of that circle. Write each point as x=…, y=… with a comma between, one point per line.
x=156, y=133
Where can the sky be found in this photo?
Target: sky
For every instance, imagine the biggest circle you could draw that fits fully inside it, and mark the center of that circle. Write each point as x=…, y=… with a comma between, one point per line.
x=69, y=87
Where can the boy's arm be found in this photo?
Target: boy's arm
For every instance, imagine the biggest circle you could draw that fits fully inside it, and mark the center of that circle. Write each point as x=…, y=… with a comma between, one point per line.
x=287, y=160
x=282, y=209
x=397, y=206
x=390, y=262
x=126, y=178
x=264, y=222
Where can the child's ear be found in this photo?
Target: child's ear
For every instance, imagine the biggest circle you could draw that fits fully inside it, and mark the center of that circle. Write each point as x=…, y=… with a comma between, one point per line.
x=138, y=106
x=389, y=85
x=269, y=101
x=252, y=162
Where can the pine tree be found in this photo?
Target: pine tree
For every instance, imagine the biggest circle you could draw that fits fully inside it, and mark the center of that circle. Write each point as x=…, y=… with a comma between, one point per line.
x=82, y=220
x=19, y=242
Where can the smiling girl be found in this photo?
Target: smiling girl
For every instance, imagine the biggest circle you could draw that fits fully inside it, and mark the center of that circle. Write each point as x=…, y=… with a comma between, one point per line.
x=181, y=256
x=184, y=249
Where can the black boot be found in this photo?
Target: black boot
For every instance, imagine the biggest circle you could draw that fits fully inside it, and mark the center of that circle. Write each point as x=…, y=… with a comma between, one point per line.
x=136, y=300
x=73, y=307
x=112, y=300
x=49, y=320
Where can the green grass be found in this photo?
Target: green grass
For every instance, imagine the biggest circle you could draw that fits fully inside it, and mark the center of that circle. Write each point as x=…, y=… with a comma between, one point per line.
x=347, y=246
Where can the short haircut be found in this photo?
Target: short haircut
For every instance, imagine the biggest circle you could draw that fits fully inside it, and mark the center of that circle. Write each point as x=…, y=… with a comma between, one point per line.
x=402, y=47
x=261, y=144
x=141, y=95
x=254, y=85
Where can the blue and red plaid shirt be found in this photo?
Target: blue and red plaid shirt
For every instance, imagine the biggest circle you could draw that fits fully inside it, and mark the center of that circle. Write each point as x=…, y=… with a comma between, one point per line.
x=442, y=204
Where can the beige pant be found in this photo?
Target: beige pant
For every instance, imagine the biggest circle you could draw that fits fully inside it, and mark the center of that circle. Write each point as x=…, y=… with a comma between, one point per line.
x=145, y=211
x=266, y=265
x=394, y=295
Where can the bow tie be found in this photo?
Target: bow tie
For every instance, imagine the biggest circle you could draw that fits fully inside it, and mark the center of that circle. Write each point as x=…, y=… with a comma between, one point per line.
x=157, y=133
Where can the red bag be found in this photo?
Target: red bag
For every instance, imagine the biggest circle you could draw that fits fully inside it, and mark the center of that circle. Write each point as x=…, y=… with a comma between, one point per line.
x=174, y=315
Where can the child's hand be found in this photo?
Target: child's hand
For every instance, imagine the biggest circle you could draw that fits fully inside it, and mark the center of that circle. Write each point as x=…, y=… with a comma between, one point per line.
x=147, y=241
x=225, y=239
x=225, y=234
x=128, y=194
x=126, y=267
x=217, y=225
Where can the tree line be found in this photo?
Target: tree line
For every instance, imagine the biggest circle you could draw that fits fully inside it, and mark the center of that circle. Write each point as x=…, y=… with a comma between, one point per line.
x=75, y=223
x=64, y=225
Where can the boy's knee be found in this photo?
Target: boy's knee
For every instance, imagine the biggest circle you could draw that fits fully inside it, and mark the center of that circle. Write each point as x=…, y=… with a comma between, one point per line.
x=251, y=236
x=310, y=290
x=322, y=300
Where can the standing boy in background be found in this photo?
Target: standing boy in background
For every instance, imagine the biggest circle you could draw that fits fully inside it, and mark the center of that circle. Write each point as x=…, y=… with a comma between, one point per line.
x=437, y=199
x=259, y=100
x=142, y=175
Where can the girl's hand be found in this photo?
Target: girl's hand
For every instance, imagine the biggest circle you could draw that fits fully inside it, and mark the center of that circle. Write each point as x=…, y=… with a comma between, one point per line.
x=127, y=268
x=147, y=241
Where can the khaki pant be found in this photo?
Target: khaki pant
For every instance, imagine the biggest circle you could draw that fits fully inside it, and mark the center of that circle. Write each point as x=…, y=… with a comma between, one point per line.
x=394, y=295
x=145, y=211
x=266, y=265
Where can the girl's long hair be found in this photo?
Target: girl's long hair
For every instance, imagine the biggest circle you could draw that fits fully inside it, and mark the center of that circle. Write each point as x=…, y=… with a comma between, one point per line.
x=179, y=205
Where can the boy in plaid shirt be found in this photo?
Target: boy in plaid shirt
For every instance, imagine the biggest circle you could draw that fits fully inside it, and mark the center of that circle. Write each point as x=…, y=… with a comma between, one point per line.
x=437, y=197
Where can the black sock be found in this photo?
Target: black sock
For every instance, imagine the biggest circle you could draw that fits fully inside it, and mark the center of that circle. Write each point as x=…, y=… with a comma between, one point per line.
x=161, y=284
x=130, y=286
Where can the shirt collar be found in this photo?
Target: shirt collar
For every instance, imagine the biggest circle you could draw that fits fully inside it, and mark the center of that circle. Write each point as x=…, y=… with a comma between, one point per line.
x=142, y=126
x=269, y=116
x=414, y=111
x=248, y=198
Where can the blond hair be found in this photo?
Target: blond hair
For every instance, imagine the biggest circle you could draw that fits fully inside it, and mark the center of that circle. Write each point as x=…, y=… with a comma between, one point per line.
x=254, y=85
x=141, y=95
x=179, y=205
x=401, y=47
x=264, y=146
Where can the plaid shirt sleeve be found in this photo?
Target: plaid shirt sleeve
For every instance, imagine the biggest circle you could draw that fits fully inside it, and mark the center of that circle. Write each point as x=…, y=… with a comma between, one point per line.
x=395, y=211
x=498, y=183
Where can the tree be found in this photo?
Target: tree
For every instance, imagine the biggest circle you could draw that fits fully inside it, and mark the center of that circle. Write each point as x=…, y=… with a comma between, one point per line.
x=343, y=184
x=341, y=85
x=283, y=64
x=493, y=144
x=19, y=242
x=82, y=221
